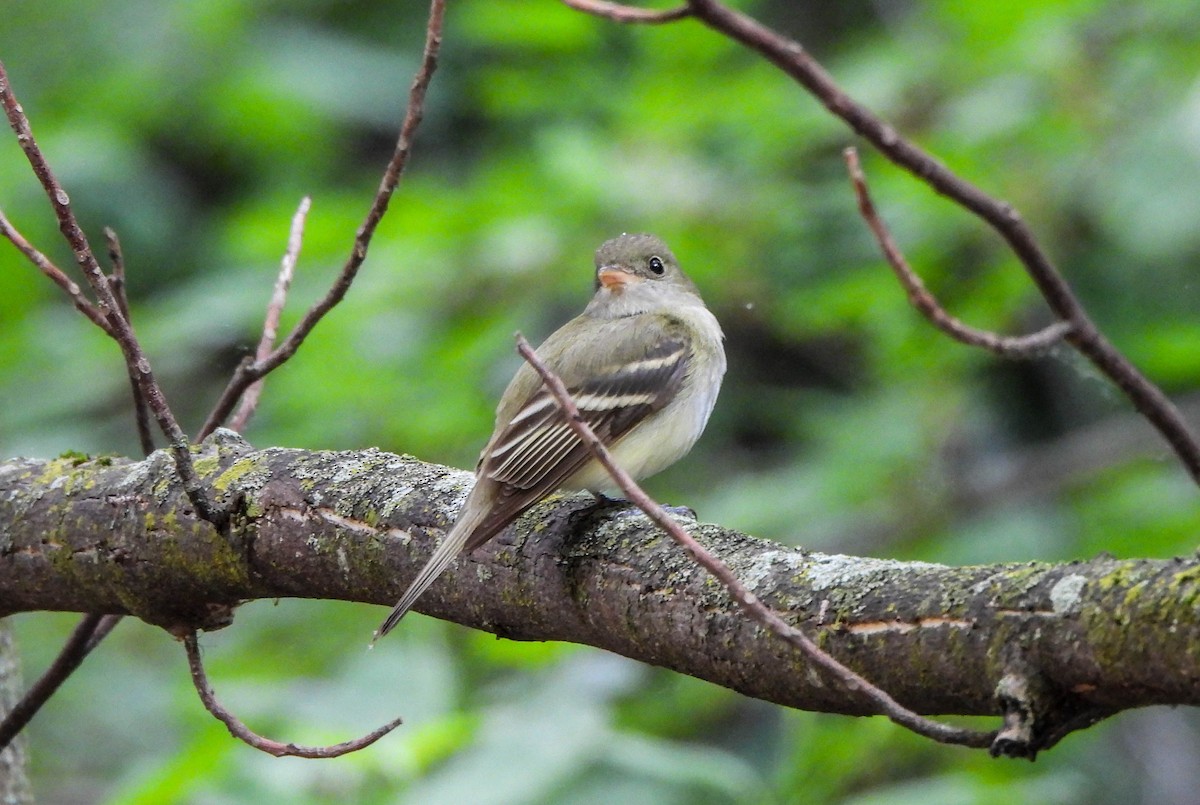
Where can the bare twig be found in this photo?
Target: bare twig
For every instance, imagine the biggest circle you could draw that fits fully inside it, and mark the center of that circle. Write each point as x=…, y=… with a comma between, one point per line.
x=93, y=628
x=90, y=630
x=117, y=280
x=885, y=704
x=793, y=59
x=243, y=733
x=1024, y=346
x=250, y=371
x=629, y=14
x=136, y=362
x=283, y=282
x=142, y=417
x=56, y=274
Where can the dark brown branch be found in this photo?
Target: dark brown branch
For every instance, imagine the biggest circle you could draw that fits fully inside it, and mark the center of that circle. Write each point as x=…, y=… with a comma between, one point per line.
x=243, y=733
x=793, y=59
x=1023, y=346
x=628, y=14
x=86, y=636
x=116, y=279
x=753, y=606
x=283, y=282
x=56, y=274
x=136, y=362
x=250, y=371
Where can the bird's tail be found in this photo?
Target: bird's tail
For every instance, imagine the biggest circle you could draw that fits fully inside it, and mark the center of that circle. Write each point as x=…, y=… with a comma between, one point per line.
x=451, y=546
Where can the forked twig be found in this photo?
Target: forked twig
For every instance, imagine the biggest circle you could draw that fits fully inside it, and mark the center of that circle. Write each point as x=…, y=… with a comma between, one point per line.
x=112, y=316
x=136, y=362
x=56, y=274
x=243, y=733
x=250, y=371
x=92, y=628
x=287, y=268
x=1021, y=346
x=792, y=58
x=754, y=607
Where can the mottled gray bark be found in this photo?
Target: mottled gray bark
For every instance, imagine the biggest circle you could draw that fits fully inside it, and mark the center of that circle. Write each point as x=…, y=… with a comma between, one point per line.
x=1069, y=642
x=14, y=784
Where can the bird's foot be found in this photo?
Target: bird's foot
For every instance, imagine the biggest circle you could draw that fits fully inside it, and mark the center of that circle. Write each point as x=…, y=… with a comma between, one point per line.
x=686, y=512
x=604, y=501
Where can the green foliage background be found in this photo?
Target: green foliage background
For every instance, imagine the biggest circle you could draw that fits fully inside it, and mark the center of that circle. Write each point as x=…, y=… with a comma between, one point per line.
x=846, y=422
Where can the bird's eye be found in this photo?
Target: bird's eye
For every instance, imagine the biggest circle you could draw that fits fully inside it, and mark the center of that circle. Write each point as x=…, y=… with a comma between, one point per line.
x=656, y=265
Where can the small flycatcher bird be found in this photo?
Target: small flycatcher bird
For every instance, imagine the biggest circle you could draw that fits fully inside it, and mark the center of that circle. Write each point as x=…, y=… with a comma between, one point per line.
x=643, y=363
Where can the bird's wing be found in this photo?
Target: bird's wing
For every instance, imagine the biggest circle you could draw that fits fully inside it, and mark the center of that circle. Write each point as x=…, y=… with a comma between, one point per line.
x=537, y=450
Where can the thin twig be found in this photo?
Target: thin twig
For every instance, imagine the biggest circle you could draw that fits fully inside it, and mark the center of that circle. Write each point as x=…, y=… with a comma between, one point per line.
x=56, y=274
x=136, y=362
x=1022, y=346
x=250, y=371
x=628, y=14
x=86, y=636
x=754, y=607
x=791, y=57
x=283, y=282
x=116, y=279
x=243, y=733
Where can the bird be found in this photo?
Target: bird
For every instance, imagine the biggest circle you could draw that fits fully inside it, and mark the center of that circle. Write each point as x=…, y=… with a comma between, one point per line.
x=643, y=362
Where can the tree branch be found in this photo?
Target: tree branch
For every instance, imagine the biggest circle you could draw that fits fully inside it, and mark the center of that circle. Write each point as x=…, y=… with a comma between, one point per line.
x=1082, y=638
x=244, y=734
x=283, y=282
x=1023, y=346
x=850, y=681
x=112, y=316
x=141, y=413
x=92, y=629
x=54, y=273
x=136, y=362
x=791, y=57
x=250, y=371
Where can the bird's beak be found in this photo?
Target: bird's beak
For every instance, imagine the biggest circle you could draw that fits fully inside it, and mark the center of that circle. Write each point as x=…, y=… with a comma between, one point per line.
x=614, y=278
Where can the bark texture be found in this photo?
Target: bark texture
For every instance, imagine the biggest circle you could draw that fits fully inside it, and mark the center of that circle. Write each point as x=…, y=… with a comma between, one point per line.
x=1064, y=644
x=14, y=783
